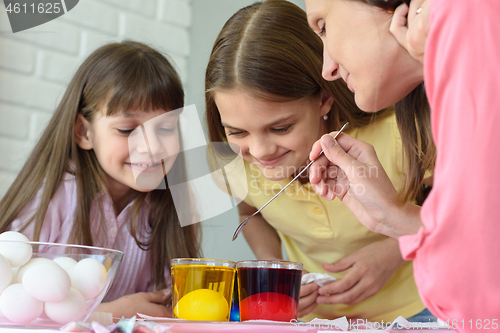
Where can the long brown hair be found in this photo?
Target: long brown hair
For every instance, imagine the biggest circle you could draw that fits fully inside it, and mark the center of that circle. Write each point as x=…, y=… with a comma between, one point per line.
x=269, y=50
x=127, y=75
x=414, y=123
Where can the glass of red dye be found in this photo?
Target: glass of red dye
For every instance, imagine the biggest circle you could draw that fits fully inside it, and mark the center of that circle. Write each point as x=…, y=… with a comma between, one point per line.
x=269, y=289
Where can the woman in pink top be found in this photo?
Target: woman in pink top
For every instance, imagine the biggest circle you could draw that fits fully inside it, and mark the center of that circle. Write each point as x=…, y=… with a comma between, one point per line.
x=453, y=237
x=98, y=174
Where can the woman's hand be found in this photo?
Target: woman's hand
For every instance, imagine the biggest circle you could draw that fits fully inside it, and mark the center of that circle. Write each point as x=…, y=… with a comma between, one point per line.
x=410, y=26
x=148, y=303
x=370, y=268
x=351, y=171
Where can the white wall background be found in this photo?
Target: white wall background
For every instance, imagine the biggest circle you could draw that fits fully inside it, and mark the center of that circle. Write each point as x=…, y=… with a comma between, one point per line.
x=36, y=65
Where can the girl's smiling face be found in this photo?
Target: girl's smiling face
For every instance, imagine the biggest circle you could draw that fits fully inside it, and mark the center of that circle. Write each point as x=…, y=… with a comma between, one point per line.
x=274, y=136
x=359, y=48
x=135, y=148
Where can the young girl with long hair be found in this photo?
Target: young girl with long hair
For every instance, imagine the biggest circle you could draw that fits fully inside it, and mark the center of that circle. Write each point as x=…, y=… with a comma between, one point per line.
x=265, y=93
x=78, y=185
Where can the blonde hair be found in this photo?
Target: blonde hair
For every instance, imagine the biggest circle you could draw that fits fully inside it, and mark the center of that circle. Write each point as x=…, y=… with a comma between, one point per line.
x=127, y=75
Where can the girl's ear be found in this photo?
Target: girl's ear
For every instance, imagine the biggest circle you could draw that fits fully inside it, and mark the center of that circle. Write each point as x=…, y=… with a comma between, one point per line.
x=82, y=133
x=326, y=103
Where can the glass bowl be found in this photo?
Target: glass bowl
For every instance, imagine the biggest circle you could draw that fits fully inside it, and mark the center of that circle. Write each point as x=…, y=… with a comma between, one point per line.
x=52, y=284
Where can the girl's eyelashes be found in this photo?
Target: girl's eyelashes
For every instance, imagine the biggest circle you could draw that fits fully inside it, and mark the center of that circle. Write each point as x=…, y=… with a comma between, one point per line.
x=126, y=132
x=229, y=133
x=166, y=130
x=161, y=130
x=282, y=130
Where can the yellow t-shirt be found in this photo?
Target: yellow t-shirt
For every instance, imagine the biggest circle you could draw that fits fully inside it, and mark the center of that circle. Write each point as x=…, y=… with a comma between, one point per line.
x=316, y=231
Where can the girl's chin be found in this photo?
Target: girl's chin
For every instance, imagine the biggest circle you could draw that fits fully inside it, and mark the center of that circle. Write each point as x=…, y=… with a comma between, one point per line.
x=148, y=184
x=279, y=172
x=274, y=175
x=144, y=190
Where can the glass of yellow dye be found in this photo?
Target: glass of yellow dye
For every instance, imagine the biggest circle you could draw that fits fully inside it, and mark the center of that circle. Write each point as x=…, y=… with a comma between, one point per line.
x=202, y=289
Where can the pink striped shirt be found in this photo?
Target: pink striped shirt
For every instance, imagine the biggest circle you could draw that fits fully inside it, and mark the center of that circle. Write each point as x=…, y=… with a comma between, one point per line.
x=134, y=273
x=456, y=263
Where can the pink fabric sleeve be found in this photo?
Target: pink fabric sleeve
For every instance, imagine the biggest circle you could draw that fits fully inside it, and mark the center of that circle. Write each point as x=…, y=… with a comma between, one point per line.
x=456, y=255
x=58, y=219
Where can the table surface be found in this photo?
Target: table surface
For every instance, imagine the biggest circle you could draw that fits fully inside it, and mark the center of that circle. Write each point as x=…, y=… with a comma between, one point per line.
x=206, y=327
x=193, y=327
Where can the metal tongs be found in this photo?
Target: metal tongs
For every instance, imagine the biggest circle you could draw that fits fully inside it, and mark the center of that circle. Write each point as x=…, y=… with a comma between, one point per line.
x=245, y=221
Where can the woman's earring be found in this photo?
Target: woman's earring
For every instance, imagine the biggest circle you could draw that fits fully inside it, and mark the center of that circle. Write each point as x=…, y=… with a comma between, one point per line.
x=325, y=117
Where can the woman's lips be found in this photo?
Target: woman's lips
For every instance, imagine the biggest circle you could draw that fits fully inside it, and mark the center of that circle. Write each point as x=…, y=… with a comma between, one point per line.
x=273, y=161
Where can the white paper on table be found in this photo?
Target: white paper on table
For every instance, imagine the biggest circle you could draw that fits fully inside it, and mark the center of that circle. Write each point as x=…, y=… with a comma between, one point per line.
x=340, y=323
x=321, y=279
x=146, y=317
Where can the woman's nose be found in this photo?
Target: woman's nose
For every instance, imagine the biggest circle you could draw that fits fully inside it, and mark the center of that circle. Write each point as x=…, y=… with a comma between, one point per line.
x=330, y=67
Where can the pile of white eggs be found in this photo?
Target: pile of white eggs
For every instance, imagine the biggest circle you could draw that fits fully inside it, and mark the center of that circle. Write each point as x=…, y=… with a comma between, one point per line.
x=60, y=288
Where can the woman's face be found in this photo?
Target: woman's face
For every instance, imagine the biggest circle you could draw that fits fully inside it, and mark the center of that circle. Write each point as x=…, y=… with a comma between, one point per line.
x=359, y=48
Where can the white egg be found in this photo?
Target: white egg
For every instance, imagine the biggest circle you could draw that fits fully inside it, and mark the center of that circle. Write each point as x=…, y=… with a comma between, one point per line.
x=5, y=273
x=71, y=308
x=107, y=263
x=66, y=263
x=18, y=253
x=25, y=267
x=18, y=306
x=89, y=277
x=46, y=281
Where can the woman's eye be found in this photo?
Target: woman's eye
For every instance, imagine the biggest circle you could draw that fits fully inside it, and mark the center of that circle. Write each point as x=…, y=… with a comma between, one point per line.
x=322, y=28
x=282, y=130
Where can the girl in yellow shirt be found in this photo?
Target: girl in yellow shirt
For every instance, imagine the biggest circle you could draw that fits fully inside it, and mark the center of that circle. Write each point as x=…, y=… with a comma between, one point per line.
x=265, y=93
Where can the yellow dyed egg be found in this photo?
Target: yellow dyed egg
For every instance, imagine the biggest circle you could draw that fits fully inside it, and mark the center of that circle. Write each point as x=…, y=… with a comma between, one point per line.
x=202, y=304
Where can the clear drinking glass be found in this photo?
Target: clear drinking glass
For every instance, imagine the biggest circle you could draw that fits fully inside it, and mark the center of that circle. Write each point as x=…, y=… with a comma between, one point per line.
x=269, y=289
x=202, y=289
